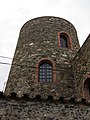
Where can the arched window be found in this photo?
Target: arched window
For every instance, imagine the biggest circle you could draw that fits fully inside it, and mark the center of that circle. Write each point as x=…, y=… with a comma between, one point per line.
x=87, y=88
x=45, y=72
x=64, y=40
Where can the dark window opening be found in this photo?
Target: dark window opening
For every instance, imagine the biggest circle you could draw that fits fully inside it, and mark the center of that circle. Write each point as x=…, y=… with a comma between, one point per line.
x=63, y=41
x=88, y=85
x=45, y=72
x=87, y=88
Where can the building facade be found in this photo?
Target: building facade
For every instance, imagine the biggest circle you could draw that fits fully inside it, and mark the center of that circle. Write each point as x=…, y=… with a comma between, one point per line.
x=49, y=64
x=46, y=58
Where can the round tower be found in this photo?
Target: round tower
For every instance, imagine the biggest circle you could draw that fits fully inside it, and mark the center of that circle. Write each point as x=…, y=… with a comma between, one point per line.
x=42, y=60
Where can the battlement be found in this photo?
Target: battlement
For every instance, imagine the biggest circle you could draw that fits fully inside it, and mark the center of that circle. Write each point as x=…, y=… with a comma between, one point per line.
x=25, y=97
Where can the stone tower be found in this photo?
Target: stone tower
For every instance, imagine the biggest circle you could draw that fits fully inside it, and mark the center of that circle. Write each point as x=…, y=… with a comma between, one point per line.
x=50, y=74
x=42, y=63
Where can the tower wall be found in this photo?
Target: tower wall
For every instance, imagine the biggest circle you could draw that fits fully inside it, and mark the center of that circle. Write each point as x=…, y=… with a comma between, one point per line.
x=35, y=110
x=81, y=66
x=39, y=40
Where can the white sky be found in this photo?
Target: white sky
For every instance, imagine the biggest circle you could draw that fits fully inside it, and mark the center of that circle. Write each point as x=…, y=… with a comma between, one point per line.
x=14, y=13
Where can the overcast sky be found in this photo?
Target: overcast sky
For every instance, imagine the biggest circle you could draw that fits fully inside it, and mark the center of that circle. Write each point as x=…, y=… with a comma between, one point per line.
x=14, y=13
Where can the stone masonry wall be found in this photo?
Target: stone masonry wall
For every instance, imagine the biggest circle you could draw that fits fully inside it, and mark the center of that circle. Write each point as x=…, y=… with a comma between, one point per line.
x=11, y=109
x=39, y=40
x=81, y=66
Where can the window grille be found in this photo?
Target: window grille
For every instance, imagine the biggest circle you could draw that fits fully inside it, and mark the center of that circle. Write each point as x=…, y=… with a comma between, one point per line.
x=45, y=72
